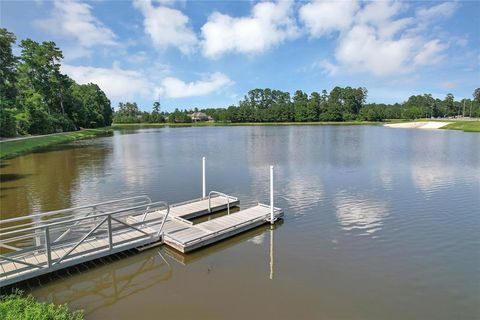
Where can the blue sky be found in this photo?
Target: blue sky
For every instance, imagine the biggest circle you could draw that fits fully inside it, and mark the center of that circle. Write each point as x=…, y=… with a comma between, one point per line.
x=210, y=53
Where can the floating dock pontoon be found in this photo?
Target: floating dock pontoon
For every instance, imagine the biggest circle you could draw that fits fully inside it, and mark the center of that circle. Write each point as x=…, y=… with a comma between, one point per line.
x=42, y=243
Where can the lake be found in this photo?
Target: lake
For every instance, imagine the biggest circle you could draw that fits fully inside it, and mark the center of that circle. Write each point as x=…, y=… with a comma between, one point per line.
x=380, y=223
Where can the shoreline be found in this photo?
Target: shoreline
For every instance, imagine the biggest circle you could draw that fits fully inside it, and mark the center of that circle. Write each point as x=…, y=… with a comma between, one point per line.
x=240, y=124
x=11, y=148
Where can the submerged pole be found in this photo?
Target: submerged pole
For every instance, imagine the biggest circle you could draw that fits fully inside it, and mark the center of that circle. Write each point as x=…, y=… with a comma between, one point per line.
x=271, y=195
x=271, y=252
x=204, y=190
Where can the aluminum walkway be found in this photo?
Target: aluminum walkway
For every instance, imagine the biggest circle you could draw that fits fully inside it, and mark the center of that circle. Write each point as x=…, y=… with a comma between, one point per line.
x=39, y=244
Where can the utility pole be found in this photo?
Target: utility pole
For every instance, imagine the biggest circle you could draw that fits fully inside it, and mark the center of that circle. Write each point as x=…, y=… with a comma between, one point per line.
x=463, y=114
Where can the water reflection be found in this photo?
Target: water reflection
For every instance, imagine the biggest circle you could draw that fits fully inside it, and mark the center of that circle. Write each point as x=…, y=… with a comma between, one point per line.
x=102, y=283
x=434, y=165
x=256, y=236
x=47, y=180
x=108, y=284
x=357, y=212
x=418, y=190
x=302, y=192
x=344, y=147
x=266, y=146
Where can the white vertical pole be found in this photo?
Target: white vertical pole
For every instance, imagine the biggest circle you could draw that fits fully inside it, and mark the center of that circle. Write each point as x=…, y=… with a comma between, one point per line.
x=271, y=253
x=271, y=195
x=203, y=178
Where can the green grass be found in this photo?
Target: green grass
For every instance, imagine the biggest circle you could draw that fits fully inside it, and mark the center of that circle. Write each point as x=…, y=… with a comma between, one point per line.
x=12, y=148
x=221, y=124
x=467, y=126
x=17, y=306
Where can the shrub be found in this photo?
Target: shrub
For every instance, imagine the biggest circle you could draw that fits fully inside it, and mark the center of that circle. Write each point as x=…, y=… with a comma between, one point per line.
x=17, y=306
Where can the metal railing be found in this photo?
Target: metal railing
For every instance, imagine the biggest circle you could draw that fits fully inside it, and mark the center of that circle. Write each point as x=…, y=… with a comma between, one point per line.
x=218, y=194
x=69, y=237
x=63, y=214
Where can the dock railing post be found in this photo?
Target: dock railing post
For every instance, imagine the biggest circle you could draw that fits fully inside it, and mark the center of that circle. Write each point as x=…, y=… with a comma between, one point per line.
x=271, y=196
x=48, y=250
x=204, y=190
x=110, y=236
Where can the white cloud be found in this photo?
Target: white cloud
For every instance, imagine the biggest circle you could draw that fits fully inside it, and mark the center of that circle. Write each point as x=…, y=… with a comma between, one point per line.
x=138, y=57
x=426, y=16
x=361, y=49
x=176, y=88
x=376, y=37
x=378, y=12
x=167, y=27
x=71, y=53
x=443, y=10
x=324, y=17
x=268, y=25
x=116, y=82
x=381, y=14
x=371, y=45
x=327, y=67
x=125, y=84
x=74, y=19
x=431, y=53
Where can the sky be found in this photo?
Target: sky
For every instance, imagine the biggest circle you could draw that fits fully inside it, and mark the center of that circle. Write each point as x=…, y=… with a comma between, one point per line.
x=211, y=53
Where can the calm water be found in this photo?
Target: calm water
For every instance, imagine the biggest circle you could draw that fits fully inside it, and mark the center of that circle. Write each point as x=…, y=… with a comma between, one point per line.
x=380, y=223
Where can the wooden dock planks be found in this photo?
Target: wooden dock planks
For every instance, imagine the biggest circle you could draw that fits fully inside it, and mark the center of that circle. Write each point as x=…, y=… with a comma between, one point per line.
x=208, y=232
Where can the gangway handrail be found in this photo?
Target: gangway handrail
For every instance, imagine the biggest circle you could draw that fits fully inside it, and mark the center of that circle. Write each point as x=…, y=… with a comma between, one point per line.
x=148, y=208
x=38, y=215
x=53, y=224
x=164, y=218
x=106, y=217
x=220, y=194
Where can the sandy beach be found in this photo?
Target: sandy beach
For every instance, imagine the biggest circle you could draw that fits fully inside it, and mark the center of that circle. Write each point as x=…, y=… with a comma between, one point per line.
x=419, y=125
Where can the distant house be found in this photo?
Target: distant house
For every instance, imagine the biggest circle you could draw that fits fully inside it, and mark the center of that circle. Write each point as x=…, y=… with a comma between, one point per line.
x=199, y=116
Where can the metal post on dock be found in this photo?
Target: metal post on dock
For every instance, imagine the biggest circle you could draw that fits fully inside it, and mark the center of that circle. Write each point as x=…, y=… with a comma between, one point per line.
x=271, y=195
x=203, y=178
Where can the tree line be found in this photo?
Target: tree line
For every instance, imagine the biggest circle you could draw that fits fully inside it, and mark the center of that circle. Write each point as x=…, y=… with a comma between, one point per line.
x=340, y=104
x=36, y=98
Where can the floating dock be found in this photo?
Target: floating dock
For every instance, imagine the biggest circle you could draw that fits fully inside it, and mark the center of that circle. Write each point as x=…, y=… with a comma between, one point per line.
x=208, y=232
x=39, y=244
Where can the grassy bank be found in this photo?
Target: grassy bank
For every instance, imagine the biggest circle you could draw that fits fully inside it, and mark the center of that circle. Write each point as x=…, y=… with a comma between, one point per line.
x=17, y=306
x=222, y=124
x=15, y=147
x=467, y=126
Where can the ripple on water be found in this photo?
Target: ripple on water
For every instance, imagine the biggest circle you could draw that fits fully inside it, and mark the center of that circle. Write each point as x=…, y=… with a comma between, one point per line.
x=358, y=212
x=302, y=193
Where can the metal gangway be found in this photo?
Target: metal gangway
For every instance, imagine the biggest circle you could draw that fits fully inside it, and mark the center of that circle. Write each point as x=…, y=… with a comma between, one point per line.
x=37, y=244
